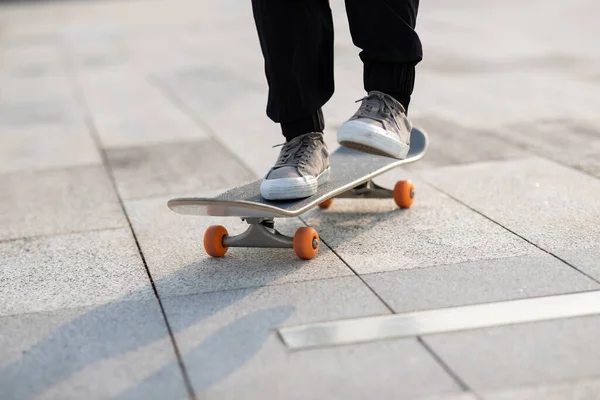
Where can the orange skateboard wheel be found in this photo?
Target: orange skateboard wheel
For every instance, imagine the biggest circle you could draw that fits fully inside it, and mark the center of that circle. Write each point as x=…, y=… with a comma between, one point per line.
x=213, y=241
x=326, y=203
x=306, y=243
x=404, y=194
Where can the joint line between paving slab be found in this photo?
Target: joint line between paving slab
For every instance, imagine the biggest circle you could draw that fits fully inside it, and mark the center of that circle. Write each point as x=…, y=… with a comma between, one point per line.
x=511, y=231
x=457, y=379
x=437, y=358
x=180, y=104
x=353, y=271
x=80, y=97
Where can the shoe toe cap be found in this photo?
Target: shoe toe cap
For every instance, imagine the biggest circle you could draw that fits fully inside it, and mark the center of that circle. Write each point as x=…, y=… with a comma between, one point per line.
x=284, y=172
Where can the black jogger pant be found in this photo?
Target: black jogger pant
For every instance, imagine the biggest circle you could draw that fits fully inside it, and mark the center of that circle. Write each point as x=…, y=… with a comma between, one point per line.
x=296, y=38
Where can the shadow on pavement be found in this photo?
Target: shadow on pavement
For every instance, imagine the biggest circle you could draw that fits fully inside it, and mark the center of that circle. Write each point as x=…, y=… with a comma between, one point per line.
x=120, y=327
x=217, y=357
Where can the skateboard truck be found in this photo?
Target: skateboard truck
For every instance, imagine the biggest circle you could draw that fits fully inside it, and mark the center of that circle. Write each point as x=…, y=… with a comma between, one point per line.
x=368, y=190
x=403, y=193
x=262, y=233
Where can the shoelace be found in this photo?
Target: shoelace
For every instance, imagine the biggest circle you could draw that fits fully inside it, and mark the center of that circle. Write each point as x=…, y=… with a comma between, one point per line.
x=295, y=151
x=375, y=99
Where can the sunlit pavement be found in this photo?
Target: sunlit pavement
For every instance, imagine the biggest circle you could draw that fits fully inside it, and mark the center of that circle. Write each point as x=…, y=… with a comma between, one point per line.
x=109, y=109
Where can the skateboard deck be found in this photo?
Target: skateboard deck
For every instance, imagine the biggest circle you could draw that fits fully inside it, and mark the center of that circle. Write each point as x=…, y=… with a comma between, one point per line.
x=349, y=169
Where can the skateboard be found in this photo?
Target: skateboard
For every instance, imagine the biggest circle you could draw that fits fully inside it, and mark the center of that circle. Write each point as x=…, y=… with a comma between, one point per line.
x=351, y=176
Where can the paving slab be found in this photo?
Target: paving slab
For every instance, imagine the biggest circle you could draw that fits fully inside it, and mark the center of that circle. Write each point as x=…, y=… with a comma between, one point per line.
x=227, y=98
x=233, y=108
x=128, y=110
x=57, y=201
x=95, y=352
x=40, y=112
x=175, y=168
x=587, y=389
x=186, y=268
x=30, y=60
x=488, y=100
x=44, y=147
x=232, y=332
x=477, y=282
x=184, y=47
x=459, y=396
x=525, y=354
x=46, y=88
x=38, y=101
x=50, y=273
x=547, y=138
x=228, y=92
x=95, y=53
x=158, y=52
x=477, y=83
x=454, y=144
x=375, y=236
x=553, y=206
x=586, y=260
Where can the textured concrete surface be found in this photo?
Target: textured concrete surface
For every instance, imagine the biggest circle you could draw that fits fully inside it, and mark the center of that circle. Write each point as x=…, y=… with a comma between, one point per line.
x=547, y=138
x=455, y=144
x=259, y=366
x=37, y=112
x=98, y=352
x=183, y=169
x=57, y=201
x=375, y=236
x=58, y=147
x=128, y=110
x=70, y=270
x=460, y=396
x=553, y=206
x=33, y=60
x=477, y=282
x=587, y=389
x=586, y=260
x=23, y=90
x=247, y=132
x=526, y=354
x=168, y=99
x=186, y=268
x=44, y=100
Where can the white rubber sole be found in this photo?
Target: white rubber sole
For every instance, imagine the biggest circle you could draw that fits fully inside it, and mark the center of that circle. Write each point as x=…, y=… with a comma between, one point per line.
x=371, y=139
x=292, y=188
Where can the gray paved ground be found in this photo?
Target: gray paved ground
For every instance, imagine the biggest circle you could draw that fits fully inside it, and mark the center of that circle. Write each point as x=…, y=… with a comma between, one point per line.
x=108, y=109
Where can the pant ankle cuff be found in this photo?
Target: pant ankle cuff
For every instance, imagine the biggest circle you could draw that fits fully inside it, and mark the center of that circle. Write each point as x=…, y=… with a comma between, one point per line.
x=307, y=124
x=396, y=80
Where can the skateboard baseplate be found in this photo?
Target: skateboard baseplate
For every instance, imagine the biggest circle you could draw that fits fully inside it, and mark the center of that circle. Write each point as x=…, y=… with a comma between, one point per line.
x=351, y=177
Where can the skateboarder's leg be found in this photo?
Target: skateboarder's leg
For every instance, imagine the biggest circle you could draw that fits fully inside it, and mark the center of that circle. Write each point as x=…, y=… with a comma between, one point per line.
x=385, y=31
x=296, y=39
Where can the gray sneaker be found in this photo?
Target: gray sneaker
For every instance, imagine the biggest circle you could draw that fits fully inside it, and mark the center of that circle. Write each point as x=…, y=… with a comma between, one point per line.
x=380, y=126
x=302, y=166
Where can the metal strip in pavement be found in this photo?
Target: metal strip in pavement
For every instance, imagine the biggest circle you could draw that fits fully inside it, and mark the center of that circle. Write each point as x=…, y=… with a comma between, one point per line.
x=419, y=323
